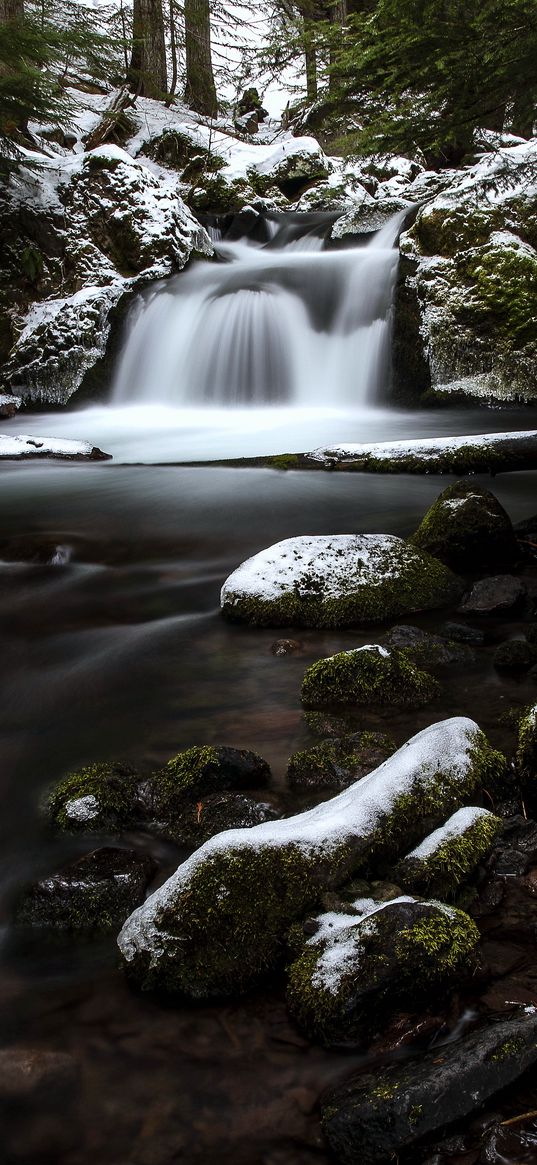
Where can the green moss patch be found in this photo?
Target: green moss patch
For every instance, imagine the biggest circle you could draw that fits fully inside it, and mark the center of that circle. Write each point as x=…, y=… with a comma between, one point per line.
x=336, y=763
x=445, y=860
x=99, y=796
x=368, y=676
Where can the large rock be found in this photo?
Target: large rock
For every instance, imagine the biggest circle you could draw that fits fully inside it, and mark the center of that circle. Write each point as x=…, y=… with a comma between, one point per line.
x=370, y=1118
x=369, y=675
x=468, y=530
x=220, y=921
x=359, y=966
x=100, y=226
x=94, y=893
x=472, y=270
x=338, y=581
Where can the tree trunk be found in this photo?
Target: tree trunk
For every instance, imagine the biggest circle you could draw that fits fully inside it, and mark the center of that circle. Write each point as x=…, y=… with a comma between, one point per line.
x=524, y=113
x=338, y=17
x=310, y=55
x=147, y=72
x=11, y=10
x=200, y=92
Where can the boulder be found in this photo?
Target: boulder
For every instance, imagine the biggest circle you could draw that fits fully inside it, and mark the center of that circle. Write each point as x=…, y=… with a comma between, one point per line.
x=372, y=1117
x=94, y=893
x=526, y=755
x=468, y=530
x=369, y=215
x=292, y=166
x=205, y=769
x=101, y=796
x=9, y=405
x=220, y=921
x=369, y=675
x=448, y=856
x=337, y=581
x=337, y=763
x=462, y=633
x=359, y=966
x=502, y=592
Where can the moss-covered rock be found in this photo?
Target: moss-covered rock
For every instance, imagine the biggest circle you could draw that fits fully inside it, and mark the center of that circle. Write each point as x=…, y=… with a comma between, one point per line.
x=468, y=530
x=94, y=893
x=201, y=770
x=220, y=921
x=369, y=675
x=335, y=764
x=338, y=581
x=101, y=796
x=515, y=655
x=356, y=968
x=447, y=858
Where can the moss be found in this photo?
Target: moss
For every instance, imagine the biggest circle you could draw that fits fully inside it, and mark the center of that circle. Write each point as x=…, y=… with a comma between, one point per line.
x=336, y=763
x=510, y=1049
x=203, y=770
x=366, y=677
x=114, y=788
x=442, y=872
x=526, y=755
x=439, y=946
x=503, y=293
x=447, y=232
x=215, y=195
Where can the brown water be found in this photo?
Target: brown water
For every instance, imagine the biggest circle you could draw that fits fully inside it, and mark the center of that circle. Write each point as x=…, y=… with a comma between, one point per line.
x=121, y=652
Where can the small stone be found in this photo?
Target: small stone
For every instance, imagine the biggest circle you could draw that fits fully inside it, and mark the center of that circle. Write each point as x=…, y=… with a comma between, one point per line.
x=461, y=633
x=512, y=863
x=286, y=646
x=95, y=893
x=514, y=655
x=426, y=650
x=502, y=592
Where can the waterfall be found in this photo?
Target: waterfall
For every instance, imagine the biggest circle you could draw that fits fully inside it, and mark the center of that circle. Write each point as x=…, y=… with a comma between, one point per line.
x=286, y=322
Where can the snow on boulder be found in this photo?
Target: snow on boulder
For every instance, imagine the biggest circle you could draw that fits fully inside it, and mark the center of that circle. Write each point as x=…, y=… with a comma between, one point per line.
x=468, y=529
x=23, y=446
x=293, y=164
x=220, y=921
x=337, y=581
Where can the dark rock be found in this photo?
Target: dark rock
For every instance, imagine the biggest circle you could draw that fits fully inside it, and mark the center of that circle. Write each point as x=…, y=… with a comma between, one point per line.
x=426, y=650
x=372, y=1117
x=286, y=646
x=102, y=796
x=531, y=633
x=9, y=405
x=329, y=724
x=95, y=893
x=503, y=592
x=335, y=764
x=468, y=530
x=512, y=863
x=514, y=655
x=195, y=822
x=461, y=633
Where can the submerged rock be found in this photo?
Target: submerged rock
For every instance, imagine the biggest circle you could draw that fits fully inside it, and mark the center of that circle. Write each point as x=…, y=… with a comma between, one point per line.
x=468, y=530
x=358, y=966
x=503, y=592
x=338, y=581
x=515, y=655
x=337, y=763
x=369, y=675
x=426, y=650
x=94, y=893
x=370, y=1118
x=101, y=796
x=220, y=921
x=445, y=859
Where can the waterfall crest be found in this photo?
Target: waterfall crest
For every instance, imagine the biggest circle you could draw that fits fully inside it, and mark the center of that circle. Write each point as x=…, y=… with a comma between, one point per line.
x=287, y=322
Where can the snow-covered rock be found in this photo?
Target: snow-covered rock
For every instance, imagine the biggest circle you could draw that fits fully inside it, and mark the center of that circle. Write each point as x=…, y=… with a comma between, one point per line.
x=440, y=863
x=470, y=274
x=336, y=581
x=22, y=446
x=220, y=920
x=479, y=453
x=95, y=227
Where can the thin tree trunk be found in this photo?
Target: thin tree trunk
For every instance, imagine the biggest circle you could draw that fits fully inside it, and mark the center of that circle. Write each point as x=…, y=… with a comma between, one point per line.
x=338, y=17
x=173, y=50
x=310, y=54
x=200, y=93
x=147, y=72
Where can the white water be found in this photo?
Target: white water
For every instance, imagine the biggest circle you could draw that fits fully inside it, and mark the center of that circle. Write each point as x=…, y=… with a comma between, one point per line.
x=297, y=326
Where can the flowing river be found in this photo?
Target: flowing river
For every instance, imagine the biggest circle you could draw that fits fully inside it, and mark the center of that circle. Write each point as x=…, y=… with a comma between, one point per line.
x=113, y=647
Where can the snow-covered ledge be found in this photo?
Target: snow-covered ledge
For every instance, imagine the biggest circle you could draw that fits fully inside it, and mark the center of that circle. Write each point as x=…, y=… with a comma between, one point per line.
x=24, y=446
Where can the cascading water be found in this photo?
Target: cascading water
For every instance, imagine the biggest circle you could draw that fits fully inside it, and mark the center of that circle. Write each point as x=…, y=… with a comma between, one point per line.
x=287, y=322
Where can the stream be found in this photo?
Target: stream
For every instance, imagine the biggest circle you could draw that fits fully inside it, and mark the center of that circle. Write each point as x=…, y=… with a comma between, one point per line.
x=113, y=647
